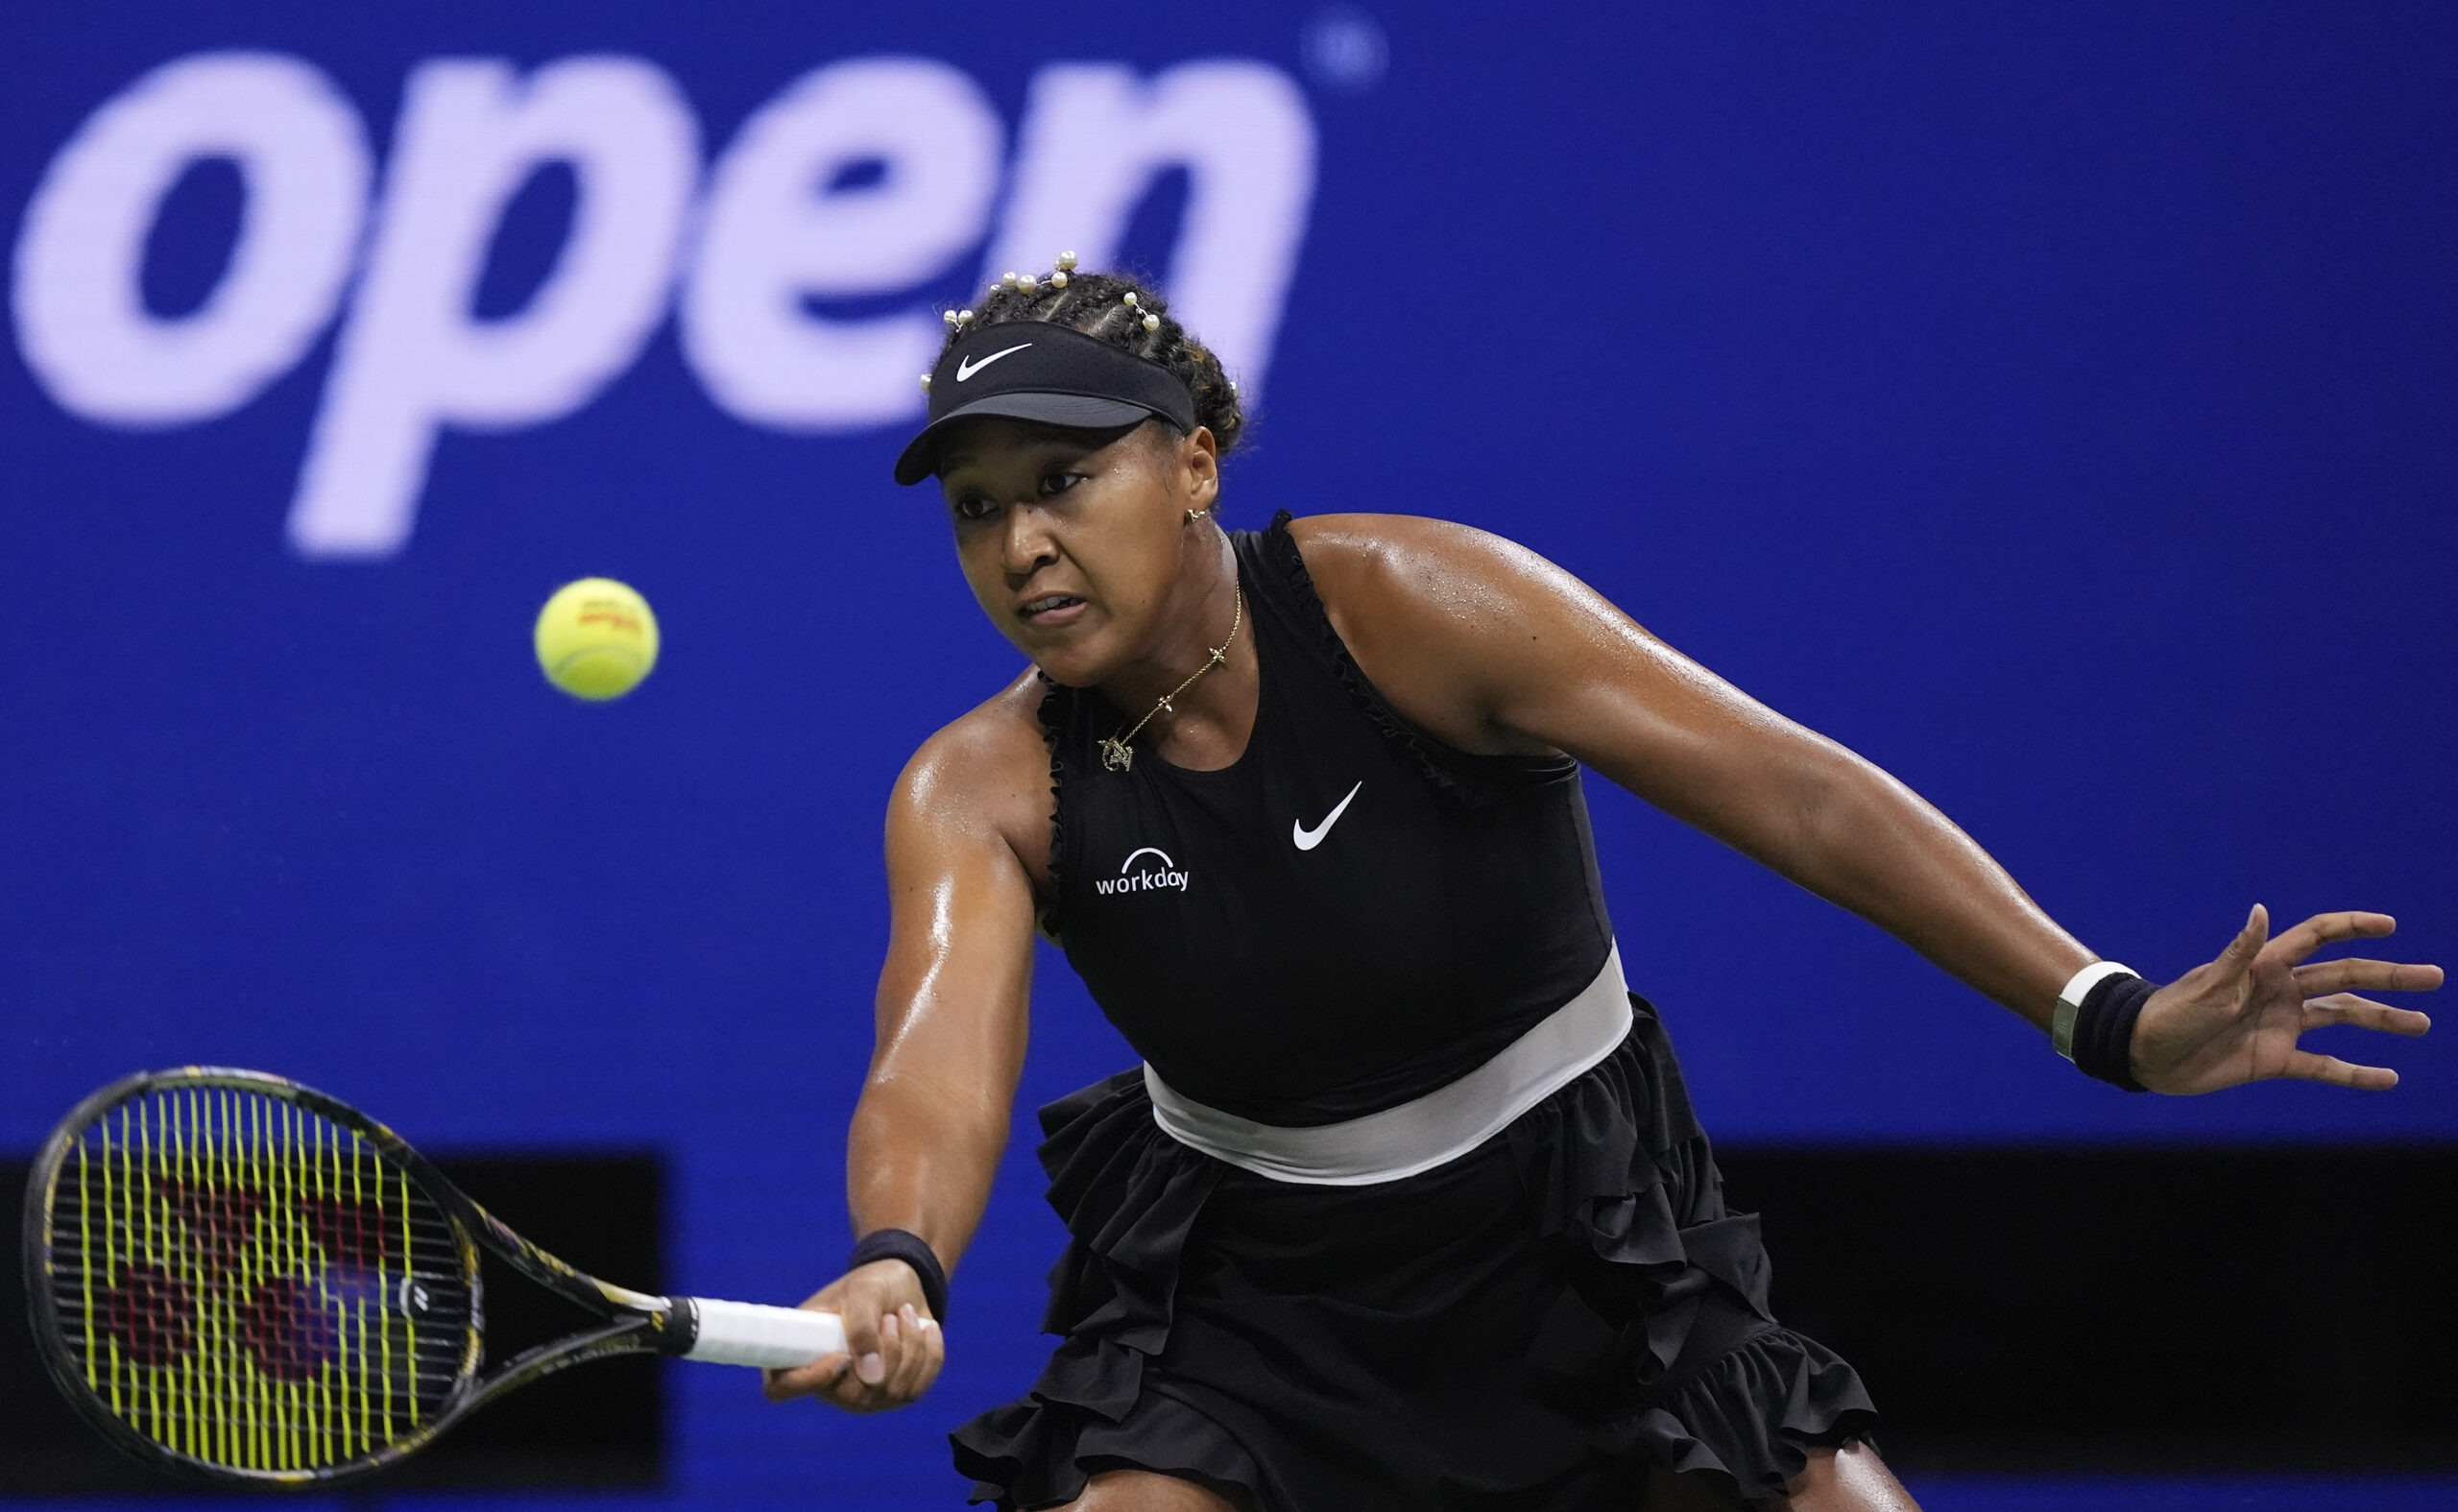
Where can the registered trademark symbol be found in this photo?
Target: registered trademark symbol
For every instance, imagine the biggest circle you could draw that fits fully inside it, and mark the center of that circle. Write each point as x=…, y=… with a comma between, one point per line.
x=1345, y=50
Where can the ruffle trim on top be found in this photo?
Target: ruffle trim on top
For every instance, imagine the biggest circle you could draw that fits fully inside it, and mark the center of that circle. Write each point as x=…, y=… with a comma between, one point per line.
x=1618, y=1170
x=1454, y=774
x=1055, y=710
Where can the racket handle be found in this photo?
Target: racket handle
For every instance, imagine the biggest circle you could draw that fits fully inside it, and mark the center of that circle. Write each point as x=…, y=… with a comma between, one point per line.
x=750, y=1334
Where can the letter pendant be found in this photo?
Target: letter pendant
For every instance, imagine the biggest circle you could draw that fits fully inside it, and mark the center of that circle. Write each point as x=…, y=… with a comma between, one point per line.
x=1117, y=754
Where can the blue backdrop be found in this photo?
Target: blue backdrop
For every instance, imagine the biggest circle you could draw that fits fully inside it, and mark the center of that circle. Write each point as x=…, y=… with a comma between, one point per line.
x=2053, y=405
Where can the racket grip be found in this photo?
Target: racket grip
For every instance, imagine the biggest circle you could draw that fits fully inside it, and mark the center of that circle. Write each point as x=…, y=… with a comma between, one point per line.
x=750, y=1334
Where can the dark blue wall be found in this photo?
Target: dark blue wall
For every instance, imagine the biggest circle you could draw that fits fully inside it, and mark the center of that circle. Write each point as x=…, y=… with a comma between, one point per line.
x=2056, y=405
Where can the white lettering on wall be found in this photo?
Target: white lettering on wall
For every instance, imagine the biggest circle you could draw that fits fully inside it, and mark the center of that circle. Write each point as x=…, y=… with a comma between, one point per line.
x=861, y=181
x=1095, y=136
x=411, y=359
x=80, y=309
x=775, y=231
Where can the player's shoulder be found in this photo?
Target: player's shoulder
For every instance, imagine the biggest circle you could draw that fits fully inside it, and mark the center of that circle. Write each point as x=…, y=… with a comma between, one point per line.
x=1449, y=622
x=1367, y=536
x=991, y=764
x=1381, y=564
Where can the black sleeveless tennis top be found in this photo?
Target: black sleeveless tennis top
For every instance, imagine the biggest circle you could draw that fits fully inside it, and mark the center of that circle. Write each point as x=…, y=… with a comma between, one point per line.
x=1350, y=915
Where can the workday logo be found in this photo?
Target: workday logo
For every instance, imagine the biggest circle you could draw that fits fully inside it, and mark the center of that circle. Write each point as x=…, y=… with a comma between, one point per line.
x=860, y=181
x=1150, y=879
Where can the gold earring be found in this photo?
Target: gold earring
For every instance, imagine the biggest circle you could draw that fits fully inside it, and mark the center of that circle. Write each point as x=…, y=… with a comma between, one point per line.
x=1195, y=514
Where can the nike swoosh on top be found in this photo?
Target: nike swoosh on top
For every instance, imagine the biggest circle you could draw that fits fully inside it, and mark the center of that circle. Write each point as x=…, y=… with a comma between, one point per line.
x=1307, y=839
x=966, y=369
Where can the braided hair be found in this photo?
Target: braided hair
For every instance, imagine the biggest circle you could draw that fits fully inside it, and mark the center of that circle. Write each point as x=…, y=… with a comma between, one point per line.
x=1114, y=308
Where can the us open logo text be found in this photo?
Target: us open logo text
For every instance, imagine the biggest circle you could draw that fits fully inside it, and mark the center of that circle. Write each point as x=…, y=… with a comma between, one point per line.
x=861, y=179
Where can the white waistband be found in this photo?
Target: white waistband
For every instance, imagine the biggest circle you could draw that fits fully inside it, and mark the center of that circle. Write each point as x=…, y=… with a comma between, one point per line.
x=1423, y=1132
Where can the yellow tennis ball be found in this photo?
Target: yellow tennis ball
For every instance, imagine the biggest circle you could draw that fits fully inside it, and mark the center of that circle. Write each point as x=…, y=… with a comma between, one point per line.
x=596, y=638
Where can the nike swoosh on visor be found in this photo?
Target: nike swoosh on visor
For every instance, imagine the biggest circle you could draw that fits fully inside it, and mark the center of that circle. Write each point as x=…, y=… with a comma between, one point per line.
x=967, y=368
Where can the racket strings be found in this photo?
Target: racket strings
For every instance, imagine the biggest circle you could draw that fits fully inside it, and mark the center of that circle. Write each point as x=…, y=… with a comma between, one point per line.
x=249, y=1284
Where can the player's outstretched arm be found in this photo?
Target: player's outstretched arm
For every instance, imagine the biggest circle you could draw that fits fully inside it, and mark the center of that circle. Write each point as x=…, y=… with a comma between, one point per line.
x=1494, y=649
x=932, y=1120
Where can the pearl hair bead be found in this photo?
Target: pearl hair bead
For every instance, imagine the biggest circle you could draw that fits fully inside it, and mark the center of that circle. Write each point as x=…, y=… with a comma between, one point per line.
x=949, y=316
x=1058, y=279
x=1067, y=262
x=964, y=317
x=1006, y=280
x=1027, y=283
x=1130, y=296
x=926, y=383
x=1151, y=321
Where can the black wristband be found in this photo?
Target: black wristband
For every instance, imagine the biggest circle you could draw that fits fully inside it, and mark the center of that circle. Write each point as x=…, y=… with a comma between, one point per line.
x=2104, y=1028
x=911, y=1248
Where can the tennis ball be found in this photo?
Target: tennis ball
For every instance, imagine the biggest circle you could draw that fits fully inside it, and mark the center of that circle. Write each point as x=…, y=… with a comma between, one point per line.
x=596, y=638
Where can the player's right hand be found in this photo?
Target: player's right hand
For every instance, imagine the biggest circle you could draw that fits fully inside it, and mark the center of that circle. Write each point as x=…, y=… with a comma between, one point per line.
x=893, y=1347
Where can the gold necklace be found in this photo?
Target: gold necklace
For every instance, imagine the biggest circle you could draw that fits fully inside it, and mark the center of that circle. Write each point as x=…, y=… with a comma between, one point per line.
x=1119, y=755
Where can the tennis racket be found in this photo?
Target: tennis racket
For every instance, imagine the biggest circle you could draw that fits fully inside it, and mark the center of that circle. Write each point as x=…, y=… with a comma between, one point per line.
x=240, y=1278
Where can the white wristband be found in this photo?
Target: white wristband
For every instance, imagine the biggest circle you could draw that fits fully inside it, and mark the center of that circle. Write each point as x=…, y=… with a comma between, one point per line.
x=2069, y=1001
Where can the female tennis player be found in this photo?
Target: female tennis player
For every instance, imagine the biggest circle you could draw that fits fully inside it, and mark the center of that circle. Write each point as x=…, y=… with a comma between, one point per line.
x=1407, y=1208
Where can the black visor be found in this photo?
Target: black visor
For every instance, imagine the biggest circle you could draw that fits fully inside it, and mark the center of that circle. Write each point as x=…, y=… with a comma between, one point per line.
x=1034, y=371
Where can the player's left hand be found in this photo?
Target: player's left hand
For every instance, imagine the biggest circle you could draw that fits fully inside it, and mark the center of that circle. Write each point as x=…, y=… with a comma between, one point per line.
x=2237, y=1019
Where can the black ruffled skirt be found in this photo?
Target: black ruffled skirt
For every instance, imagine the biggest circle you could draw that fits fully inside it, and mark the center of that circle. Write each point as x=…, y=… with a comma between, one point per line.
x=1527, y=1327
